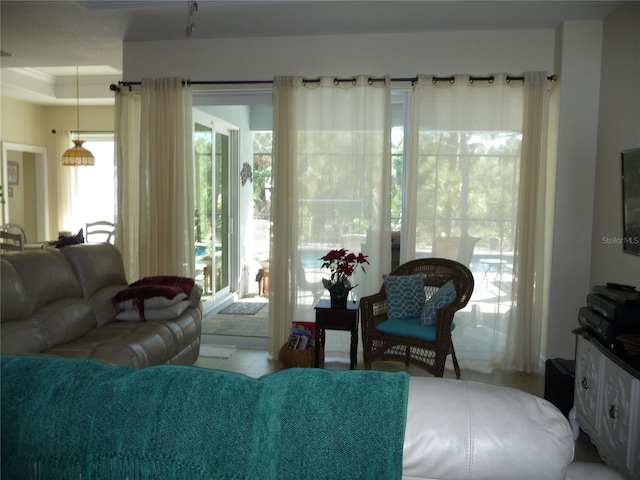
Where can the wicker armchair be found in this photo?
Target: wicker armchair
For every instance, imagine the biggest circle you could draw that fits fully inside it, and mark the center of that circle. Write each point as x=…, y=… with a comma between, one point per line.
x=428, y=355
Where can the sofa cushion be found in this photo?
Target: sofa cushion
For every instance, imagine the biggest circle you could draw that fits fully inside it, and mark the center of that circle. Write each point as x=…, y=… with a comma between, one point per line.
x=103, y=306
x=19, y=333
x=65, y=320
x=97, y=265
x=410, y=328
x=138, y=344
x=100, y=270
x=405, y=295
x=55, y=310
x=14, y=303
x=443, y=297
x=133, y=344
x=46, y=276
x=23, y=336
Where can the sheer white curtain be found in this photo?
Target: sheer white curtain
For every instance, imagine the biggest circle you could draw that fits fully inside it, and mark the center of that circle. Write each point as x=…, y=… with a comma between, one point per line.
x=533, y=234
x=154, y=175
x=331, y=189
x=166, y=222
x=127, y=152
x=477, y=168
x=65, y=183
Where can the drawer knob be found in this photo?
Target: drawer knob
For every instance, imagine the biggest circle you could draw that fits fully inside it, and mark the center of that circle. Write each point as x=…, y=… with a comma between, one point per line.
x=585, y=383
x=612, y=412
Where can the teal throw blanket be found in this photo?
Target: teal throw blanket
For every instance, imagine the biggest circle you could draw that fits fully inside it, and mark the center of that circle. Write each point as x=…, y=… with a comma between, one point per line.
x=79, y=419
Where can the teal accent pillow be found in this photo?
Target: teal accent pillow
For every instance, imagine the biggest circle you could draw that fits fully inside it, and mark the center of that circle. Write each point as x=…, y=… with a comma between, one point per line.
x=443, y=297
x=409, y=328
x=405, y=295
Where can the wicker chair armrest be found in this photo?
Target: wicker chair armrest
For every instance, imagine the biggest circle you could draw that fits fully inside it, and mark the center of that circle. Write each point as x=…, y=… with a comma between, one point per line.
x=444, y=319
x=373, y=310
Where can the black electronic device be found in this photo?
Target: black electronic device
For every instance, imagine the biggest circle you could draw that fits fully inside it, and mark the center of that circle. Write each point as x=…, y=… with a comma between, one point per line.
x=623, y=297
x=621, y=286
x=559, y=379
x=606, y=329
x=598, y=324
x=613, y=310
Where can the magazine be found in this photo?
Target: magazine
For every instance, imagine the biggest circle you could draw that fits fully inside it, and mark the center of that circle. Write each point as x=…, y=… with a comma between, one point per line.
x=301, y=336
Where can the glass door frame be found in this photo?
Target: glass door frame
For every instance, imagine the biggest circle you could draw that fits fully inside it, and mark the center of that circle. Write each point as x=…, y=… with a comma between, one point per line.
x=229, y=194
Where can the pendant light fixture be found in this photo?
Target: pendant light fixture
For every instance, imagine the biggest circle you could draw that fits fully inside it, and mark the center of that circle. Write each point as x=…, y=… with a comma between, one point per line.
x=77, y=155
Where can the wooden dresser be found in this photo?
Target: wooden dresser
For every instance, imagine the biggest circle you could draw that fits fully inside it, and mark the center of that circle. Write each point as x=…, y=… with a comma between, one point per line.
x=607, y=403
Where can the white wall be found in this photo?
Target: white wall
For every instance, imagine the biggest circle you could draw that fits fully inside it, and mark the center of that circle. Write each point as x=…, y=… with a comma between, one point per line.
x=22, y=122
x=618, y=129
x=578, y=66
x=399, y=55
x=577, y=54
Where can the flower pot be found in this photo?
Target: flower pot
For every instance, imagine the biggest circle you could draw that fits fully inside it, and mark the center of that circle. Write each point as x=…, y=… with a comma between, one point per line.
x=338, y=293
x=339, y=298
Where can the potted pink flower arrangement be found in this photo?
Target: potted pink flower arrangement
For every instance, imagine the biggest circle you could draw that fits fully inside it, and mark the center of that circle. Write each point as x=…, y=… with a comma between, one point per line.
x=342, y=263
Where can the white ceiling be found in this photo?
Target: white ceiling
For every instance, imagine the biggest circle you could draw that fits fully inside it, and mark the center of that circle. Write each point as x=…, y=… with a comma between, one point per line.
x=47, y=40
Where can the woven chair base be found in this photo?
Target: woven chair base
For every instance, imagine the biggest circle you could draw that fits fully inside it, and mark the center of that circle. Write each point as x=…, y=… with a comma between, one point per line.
x=419, y=356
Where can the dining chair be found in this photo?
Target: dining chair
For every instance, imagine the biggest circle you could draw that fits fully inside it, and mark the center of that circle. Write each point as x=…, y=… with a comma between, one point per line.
x=103, y=230
x=10, y=242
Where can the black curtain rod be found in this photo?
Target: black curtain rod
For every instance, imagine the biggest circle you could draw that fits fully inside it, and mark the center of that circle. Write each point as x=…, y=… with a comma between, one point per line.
x=87, y=132
x=451, y=79
x=116, y=88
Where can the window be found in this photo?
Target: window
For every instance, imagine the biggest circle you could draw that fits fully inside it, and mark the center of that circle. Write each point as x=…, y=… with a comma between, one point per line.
x=95, y=188
x=468, y=185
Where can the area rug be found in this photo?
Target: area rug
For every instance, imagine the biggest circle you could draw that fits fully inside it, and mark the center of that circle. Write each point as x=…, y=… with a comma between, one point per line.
x=217, y=351
x=243, y=308
x=237, y=325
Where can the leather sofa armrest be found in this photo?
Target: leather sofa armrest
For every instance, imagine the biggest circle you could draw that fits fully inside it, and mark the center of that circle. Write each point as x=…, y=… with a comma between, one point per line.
x=460, y=429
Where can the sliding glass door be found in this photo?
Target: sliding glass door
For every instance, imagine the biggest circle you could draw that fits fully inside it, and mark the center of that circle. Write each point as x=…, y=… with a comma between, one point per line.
x=215, y=155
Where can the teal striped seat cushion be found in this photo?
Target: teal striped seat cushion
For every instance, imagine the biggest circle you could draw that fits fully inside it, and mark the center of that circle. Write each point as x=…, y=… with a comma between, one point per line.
x=409, y=327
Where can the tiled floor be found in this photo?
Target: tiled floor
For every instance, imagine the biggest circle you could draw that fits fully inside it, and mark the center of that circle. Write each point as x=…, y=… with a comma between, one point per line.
x=256, y=363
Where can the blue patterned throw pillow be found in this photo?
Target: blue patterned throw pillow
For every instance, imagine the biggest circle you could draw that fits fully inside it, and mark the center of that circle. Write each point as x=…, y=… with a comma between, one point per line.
x=405, y=295
x=443, y=297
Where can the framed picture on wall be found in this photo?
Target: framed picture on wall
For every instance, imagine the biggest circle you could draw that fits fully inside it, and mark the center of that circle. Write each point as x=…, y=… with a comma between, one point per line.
x=13, y=173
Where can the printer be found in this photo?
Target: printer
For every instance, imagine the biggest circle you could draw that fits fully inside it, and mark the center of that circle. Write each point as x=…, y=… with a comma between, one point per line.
x=611, y=311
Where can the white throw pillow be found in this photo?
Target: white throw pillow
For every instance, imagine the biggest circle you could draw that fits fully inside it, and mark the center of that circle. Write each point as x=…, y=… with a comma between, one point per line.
x=166, y=313
x=155, y=302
